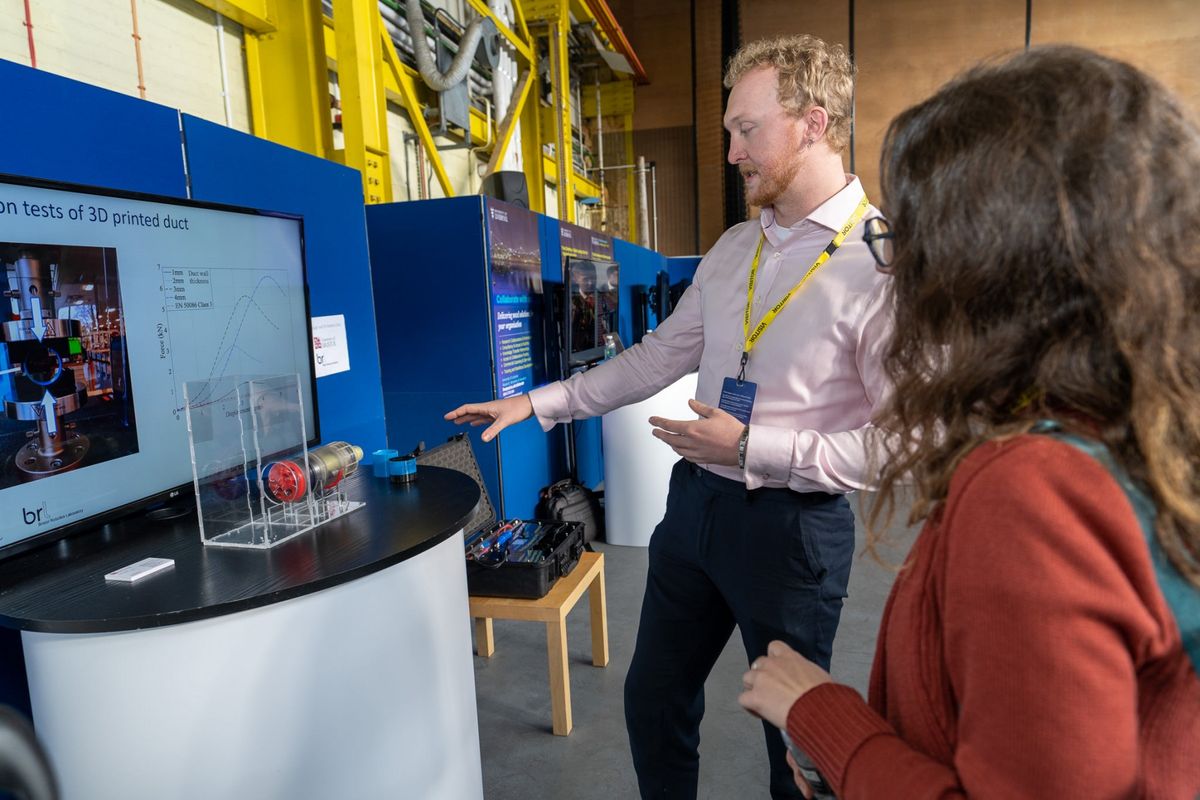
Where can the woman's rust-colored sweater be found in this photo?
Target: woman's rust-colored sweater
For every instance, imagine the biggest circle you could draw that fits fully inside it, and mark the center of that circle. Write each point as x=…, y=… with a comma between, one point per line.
x=1026, y=650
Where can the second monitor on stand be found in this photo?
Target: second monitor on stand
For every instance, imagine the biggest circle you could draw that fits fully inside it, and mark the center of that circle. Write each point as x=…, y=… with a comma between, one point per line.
x=590, y=309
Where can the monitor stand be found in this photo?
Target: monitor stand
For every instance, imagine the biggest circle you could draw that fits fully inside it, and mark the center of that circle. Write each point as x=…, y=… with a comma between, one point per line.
x=171, y=510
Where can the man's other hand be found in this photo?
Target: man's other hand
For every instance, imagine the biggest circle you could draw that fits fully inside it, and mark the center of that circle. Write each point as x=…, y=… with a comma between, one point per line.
x=500, y=413
x=712, y=439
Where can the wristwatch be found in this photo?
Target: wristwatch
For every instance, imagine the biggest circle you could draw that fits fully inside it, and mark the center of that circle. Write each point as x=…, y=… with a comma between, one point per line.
x=742, y=440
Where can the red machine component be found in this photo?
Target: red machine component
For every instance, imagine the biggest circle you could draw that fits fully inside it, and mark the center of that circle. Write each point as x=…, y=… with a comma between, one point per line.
x=336, y=479
x=286, y=481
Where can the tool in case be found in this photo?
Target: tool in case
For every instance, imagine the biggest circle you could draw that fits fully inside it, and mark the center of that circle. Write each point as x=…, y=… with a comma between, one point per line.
x=509, y=558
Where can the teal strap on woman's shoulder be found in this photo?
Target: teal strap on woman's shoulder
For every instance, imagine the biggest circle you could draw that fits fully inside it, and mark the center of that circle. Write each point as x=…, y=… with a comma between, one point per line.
x=1182, y=597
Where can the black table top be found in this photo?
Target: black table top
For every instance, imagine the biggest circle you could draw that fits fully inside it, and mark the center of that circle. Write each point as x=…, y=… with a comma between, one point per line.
x=61, y=588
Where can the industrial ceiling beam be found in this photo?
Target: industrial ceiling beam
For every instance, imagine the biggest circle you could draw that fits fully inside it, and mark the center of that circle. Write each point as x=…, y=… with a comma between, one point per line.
x=519, y=43
x=256, y=16
x=416, y=112
x=509, y=125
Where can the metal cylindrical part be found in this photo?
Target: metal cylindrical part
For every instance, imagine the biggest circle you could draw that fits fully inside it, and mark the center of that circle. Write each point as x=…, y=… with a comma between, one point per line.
x=49, y=445
x=332, y=462
x=33, y=284
x=599, y=126
x=31, y=411
x=654, y=201
x=23, y=329
x=287, y=481
x=643, y=212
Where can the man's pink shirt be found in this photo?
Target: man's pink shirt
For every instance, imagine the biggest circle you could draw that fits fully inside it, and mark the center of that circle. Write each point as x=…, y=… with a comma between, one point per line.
x=817, y=366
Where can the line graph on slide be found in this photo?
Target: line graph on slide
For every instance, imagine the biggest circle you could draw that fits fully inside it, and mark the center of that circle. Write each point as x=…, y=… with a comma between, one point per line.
x=234, y=321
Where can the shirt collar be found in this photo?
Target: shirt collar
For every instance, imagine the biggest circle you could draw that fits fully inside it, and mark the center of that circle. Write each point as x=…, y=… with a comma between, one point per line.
x=831, y=214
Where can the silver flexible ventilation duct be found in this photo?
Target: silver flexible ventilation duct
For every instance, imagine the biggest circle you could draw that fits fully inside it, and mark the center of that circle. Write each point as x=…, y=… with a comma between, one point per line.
x=427, y=66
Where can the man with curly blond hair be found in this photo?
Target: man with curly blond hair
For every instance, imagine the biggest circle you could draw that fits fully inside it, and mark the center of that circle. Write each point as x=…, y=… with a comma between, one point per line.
x=785, y=321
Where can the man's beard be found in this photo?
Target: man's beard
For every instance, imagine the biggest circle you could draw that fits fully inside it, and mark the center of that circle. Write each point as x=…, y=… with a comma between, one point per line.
x=773, y=180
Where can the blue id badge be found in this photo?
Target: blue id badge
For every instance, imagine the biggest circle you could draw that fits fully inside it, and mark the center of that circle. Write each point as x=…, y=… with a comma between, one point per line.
x=737, y=399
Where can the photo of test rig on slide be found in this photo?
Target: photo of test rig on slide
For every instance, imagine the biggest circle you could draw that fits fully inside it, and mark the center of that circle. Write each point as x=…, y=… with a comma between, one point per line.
x=64, y=378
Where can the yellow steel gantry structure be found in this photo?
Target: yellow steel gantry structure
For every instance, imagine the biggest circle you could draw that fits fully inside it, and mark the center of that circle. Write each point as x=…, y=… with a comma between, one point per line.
x=291, y=46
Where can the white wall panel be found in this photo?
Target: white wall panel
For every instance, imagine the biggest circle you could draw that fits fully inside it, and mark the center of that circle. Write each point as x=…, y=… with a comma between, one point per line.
x=14, y=45
x=90, y=42
x=93, y=42
x=181, y=59
x=455, y=162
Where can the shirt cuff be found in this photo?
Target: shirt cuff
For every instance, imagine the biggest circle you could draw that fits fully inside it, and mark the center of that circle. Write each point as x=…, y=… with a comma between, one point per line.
x=768, y=456
x=830, y=723
x=550, y=404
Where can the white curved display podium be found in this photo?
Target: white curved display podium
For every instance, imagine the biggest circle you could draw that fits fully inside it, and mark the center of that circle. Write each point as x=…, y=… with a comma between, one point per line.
x=360, y=691
x=637, y=467
x=336, y=665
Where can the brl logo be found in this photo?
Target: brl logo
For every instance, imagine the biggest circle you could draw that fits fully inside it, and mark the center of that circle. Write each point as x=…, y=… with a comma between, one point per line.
x=34, y=516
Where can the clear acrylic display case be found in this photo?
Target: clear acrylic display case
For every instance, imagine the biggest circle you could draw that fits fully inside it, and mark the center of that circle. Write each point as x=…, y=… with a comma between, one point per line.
x=256, y=484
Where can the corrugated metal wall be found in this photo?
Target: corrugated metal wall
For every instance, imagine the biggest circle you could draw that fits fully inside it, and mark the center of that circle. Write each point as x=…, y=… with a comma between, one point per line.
x=905, y=49
x=674, y=153
x=710, y=136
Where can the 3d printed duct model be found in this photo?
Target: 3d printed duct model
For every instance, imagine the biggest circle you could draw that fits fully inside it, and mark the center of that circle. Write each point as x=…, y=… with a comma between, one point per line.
x=288, y=481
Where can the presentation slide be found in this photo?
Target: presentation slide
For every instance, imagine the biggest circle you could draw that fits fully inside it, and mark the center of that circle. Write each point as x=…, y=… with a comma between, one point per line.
x=110, y=305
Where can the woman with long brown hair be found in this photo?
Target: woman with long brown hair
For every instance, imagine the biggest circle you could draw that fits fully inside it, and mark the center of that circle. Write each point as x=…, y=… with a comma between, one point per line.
x=1043, y=637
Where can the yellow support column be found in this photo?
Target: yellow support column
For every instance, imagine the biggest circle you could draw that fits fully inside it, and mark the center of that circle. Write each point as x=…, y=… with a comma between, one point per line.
x=561, y=83
x=550, y=19
x=357, y=29
x=631, y=179
x=288, y=79
x=531, y=147
x=560, y=79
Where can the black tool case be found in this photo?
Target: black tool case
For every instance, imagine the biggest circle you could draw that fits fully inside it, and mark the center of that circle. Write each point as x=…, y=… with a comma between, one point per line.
x=561, y=544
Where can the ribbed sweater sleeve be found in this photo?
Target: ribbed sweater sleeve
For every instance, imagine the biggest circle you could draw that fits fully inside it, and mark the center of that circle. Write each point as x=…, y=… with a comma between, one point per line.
x=859, y=753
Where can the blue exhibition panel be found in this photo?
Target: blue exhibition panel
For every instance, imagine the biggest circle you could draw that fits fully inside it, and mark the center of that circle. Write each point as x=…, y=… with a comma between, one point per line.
x=431, y=269
x=639, y=267
x=227, y=166
x=682, y=268
x=64, y=130
x=552, y=266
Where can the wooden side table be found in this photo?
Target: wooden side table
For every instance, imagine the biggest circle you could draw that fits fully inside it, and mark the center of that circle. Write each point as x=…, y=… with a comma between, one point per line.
x=552, y=610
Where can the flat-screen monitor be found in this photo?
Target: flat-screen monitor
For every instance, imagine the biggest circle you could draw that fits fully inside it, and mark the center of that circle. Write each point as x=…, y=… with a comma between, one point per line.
x=112, y=301
x=591, y=307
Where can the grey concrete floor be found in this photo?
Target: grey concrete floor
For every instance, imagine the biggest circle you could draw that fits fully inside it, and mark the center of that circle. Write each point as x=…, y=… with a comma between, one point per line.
x=523, y=760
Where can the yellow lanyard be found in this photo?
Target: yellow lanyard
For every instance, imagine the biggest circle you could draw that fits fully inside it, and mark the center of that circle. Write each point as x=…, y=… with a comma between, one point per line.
x=753, y=336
